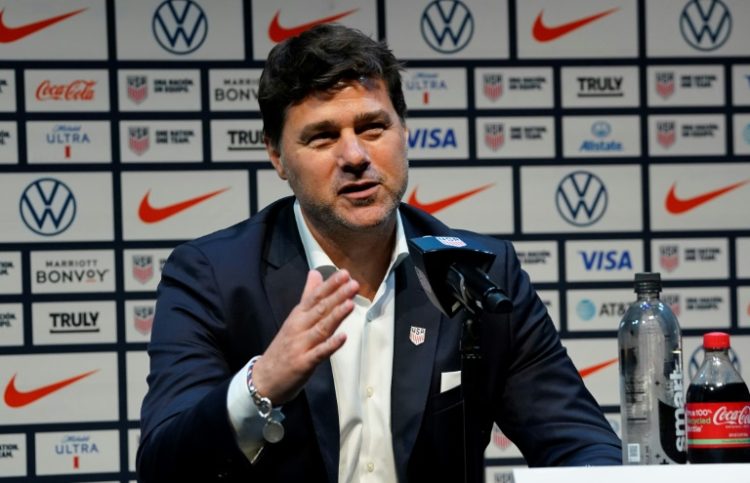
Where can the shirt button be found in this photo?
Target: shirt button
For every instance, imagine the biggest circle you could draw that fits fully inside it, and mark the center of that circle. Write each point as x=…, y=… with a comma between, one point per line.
x=370, y=391
x=370, y=467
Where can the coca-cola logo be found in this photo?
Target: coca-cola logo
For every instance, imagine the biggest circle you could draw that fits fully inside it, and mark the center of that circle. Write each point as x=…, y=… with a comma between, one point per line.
x=724, y=416
x=77, y=90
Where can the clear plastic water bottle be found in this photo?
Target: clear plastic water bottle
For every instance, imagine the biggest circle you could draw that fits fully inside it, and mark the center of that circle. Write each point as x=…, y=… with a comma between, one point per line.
x=718, y=408
x=651, y=381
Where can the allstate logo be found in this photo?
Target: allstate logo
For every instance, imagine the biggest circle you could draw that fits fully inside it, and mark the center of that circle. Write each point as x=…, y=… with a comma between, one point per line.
x=180, y=26
x=447, y=26
x=696, y=359
x=581, y=198
x=705, y=25
x=601, y=129
x=47, y=207
x=586, y=309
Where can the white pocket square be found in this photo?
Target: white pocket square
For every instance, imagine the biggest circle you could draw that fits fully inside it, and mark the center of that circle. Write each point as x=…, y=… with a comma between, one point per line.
x=449, y=380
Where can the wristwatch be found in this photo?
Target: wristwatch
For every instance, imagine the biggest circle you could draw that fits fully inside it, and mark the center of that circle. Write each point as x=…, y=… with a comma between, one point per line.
x=273, y=430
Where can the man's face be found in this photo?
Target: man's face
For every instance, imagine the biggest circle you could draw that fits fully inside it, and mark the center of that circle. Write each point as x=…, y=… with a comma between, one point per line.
x=344, y=154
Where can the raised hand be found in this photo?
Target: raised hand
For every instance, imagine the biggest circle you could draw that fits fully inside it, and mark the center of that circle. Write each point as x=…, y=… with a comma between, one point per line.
x=307, y=336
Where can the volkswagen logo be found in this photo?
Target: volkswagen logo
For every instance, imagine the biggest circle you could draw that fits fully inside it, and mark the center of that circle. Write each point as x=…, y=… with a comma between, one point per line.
x=180, y=26
x=447, y=26
x=705, y=25
x=47, y=207
x=581, y=198
x=601, y=129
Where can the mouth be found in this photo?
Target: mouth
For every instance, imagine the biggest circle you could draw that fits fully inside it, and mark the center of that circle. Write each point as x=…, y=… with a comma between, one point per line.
x=360, y=189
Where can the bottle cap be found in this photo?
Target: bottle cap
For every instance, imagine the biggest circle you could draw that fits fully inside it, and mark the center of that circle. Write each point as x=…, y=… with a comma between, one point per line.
x=647, y=282
x=716, y=340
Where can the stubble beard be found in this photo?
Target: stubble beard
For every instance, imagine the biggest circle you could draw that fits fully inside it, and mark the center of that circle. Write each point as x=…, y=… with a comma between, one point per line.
x=326, y=217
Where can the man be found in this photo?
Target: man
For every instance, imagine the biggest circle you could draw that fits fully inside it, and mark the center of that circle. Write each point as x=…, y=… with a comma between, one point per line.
x=248, y=339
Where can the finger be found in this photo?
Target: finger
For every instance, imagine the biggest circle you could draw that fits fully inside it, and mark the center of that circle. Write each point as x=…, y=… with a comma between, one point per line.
x=326, y=326
x=313, y=281
x=331, y=306
x=328, y=347
x=318, y=290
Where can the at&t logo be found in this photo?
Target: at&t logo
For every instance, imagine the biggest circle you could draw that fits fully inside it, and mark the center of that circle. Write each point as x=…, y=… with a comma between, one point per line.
x=180, y=26
x=47, y=207
x=581, y=198
x=586, y=309
x=447, y=26
x=705, y=25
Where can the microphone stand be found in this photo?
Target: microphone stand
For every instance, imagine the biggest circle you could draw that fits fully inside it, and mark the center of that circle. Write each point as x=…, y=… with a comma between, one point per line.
x=472, y=290
x=471, y=369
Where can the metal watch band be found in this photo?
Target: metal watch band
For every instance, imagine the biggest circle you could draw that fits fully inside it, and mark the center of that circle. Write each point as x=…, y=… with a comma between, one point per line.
x=273, y=430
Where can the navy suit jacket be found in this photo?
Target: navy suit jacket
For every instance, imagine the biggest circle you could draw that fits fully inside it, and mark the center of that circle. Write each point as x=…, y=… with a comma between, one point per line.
x=222, y=299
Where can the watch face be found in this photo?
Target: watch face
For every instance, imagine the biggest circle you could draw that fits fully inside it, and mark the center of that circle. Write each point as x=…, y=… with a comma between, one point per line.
x=273, y=431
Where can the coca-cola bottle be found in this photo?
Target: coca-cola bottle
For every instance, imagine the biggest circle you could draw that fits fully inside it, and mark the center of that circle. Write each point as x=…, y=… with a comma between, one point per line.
x=651, y=388
x=718, y=408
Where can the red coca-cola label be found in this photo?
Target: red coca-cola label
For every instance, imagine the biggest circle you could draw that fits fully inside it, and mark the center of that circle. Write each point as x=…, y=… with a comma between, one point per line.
x=77, y=90
x=718, y=425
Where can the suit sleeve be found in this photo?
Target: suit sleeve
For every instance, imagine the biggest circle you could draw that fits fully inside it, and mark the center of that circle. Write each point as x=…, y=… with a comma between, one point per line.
x=186, y=434
x=544, y=406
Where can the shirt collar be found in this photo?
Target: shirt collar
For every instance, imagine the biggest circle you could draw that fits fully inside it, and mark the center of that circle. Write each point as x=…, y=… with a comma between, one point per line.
x=319, y=260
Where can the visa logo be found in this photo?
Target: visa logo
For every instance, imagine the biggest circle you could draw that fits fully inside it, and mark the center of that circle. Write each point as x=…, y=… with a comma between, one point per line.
x=432, y=138
x=606, y=260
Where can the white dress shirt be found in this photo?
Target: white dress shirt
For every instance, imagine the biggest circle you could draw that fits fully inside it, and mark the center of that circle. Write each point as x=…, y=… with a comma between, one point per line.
x=362, y=370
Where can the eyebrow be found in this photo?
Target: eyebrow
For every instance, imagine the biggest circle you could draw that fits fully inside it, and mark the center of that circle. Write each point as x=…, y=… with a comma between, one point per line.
x=367, y=117
x=330, y=125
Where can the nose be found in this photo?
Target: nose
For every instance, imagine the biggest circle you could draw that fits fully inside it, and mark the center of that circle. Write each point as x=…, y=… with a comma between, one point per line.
x=352, y=154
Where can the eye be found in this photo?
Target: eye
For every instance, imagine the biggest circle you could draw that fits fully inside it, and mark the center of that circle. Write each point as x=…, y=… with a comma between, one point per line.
x=321, y=139
x=373, y=129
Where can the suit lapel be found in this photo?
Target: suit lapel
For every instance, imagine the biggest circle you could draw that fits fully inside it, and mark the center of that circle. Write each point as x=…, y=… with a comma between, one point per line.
x=285, y=280
x=412, y=363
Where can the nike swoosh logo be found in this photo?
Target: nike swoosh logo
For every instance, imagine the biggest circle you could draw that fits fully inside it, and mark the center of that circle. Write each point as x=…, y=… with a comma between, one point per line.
x=677, y=206
x=18, y=399
x=151, y=214
x=12, y=34
x=587, y=371
x=543, y=33
x=443, y=203
x=277, y=33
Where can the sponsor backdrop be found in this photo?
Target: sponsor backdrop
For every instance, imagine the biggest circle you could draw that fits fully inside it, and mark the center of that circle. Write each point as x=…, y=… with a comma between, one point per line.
x=604, y=137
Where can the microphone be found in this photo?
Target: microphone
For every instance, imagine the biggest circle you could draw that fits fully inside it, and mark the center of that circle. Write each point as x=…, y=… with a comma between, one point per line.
x=454, y=275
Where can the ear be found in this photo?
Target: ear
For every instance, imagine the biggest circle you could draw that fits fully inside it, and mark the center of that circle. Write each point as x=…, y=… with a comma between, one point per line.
x=275, y=156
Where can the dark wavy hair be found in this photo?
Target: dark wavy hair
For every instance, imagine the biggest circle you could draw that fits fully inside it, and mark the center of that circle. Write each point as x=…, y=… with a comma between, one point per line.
x=316, y=61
